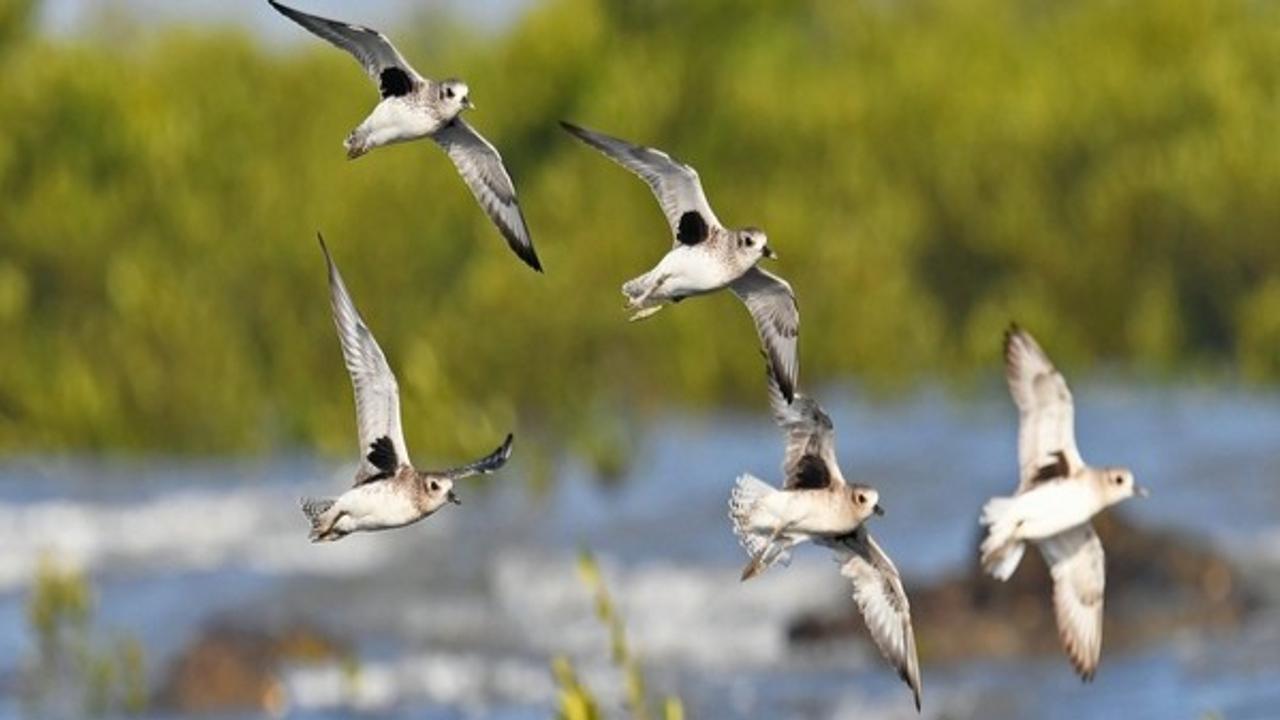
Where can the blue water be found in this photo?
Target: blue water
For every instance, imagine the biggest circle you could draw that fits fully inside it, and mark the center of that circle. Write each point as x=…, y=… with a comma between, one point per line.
x=457, y=616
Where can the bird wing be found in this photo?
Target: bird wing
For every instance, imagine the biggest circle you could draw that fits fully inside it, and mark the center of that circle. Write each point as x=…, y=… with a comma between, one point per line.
x=377, y=395
x=481, y=168
x=676, y=185
x=777, y=316
x=810, y=460
x=1046, y=414
x=380, y=59
x=484, y=465
x=878, y=592
x=1078, y=565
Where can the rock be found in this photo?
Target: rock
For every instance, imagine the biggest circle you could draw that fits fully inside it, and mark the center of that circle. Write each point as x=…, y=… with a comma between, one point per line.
x=1158, y=581
x=230, y=669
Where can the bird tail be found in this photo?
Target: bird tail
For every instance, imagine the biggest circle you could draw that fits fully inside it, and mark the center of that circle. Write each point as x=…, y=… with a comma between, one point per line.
x=317, y=511
x=752, y=525
x=1001, y=552
x=635, y=288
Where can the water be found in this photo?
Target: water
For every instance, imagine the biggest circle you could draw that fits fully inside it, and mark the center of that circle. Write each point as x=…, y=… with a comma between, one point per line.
x=458, y=616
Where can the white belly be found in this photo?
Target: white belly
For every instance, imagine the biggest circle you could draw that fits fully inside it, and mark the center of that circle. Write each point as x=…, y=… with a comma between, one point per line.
x=808, y=512
x=376, y=506
x=398, y=120
x=1052, y=508
x=692, y=271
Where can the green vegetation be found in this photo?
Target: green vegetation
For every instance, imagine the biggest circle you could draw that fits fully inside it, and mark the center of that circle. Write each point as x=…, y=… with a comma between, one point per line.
x=576, y=701
x=1106, y=173
x=68, y=662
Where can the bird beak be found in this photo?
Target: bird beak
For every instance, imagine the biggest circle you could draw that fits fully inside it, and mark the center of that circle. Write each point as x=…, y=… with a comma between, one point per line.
x=453, y=498
x=878, y=510
x=769, y=253
x=1141, y=491
x=466, y=103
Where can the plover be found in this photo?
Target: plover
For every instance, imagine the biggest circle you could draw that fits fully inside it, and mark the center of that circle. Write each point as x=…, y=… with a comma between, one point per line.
x=413, y=107
x=389, y=492
x=1057, y=495
x=706, y=255
x=817, y=503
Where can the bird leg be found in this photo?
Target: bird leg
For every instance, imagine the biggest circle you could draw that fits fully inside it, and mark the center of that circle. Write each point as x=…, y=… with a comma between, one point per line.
x=642, y=301
x=763, y=559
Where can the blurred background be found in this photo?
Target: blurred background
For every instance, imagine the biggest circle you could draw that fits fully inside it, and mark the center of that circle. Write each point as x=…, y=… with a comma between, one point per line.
x=1106, y=174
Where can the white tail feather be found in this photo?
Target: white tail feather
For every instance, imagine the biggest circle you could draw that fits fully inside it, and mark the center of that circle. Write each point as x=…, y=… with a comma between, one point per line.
x=751, y=523
x=1001, y=551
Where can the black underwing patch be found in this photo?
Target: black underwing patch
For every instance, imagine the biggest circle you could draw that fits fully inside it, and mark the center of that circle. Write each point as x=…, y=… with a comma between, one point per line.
x=1060, y=468
x=692, y=228
x=382, y=455
x=811, y=473
x=394, y=82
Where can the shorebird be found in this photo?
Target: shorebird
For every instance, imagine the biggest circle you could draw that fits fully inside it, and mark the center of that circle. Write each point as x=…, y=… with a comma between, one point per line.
x=389, y=492
x=817, y=504
x=706, y=255
x=1057, y=495
x=414, y=107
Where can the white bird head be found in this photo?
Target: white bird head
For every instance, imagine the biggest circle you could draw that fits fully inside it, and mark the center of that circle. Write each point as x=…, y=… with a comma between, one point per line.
x=455, y=96
x=866, y=500
x=439, y=490
x=753, y=243
x=1116, y=484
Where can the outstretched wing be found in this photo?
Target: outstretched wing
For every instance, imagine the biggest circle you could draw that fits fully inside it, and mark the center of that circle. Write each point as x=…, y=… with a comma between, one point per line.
x=773, y=307
x=377, y=395
x=1078, y=565
x=878, y=592
x=484, y=465
x=676, y=185
x=380, y=59
x=810, y=459
x=481, y=168
x=1046, y=413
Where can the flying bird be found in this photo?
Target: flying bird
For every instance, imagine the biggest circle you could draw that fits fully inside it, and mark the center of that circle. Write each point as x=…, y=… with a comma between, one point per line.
x=413, y=107
x=1057, y=495
x=389, y=492
x=817, y=504
x=706, y=255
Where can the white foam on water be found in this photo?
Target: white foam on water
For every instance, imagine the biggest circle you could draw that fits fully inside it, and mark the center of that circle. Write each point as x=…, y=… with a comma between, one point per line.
x=255, y=529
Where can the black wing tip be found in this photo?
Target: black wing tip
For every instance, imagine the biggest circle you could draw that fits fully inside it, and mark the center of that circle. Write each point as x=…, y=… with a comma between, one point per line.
x=526, y=253
x=571, y=128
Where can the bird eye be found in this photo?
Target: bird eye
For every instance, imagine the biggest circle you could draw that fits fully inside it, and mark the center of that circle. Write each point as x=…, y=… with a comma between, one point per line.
x=448, y=92
x=862, y=499
x=435, y=485
x=1119, y=480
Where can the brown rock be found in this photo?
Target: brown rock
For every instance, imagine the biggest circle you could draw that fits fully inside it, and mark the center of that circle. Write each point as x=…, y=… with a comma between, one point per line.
x=227, y=669
x=1157, y=581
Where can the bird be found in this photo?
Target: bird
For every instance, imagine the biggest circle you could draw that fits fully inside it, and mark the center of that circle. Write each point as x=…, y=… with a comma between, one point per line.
x=817, y=504
x=388, y=492
x=1057, y=495
x=413, y=107
x=706, y=256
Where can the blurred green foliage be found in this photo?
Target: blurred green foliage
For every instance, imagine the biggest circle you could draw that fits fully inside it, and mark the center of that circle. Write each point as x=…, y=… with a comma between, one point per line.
x=69, y=662
x=575, y=700
x=1106, y=173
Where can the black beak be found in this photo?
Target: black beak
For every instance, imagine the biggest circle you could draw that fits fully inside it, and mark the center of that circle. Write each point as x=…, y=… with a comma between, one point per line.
x=453, y=498
x=769, y=253
x=878, y=510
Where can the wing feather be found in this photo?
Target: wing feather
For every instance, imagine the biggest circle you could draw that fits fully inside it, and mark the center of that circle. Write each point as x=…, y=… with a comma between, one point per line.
x=371, y=48
x=481, y=168
x=376, y=392
x=879, y=595
x=1046, y=412
x=1078, y=566
x=773, y=307
x=675, y=184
